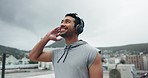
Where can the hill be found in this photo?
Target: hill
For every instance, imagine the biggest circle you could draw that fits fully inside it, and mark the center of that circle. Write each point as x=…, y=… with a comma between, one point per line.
x=58, y=44
x=131, y=48
x=12, y=51
x=126, y=49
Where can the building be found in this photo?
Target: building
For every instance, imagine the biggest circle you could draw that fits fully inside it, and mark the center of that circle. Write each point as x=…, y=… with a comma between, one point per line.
x=145, y=59
x=137, y=60
x=11, y=60
x=113, y=60
x=24, y=61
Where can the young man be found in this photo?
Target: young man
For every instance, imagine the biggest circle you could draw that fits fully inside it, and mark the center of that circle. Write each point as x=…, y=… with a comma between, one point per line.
x=77, y=59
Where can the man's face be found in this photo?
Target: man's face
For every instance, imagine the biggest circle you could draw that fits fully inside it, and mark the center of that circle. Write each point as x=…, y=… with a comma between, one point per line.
x=67, y=26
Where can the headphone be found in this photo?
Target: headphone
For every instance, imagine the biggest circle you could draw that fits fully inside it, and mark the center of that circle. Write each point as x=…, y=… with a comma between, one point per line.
x=79, y=27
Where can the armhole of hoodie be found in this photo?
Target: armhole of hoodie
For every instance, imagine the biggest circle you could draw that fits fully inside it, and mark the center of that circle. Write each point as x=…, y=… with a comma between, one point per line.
x=91, y=57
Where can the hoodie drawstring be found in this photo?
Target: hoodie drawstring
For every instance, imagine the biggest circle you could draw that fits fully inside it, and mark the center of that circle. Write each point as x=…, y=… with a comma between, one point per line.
x=65, y=51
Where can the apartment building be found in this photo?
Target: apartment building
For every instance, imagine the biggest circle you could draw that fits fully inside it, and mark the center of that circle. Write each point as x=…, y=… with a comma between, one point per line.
x=137, y=60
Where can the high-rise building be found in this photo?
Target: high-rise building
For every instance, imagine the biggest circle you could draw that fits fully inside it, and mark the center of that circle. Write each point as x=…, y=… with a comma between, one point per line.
x=137, y=60
x=145, y=60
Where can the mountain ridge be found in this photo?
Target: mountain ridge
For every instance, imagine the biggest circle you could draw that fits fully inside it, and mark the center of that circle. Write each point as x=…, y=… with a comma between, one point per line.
x=12, y=51
x=132, y=48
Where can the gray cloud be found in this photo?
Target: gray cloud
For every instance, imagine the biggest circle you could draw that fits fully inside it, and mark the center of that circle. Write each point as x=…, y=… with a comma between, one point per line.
x=108, y=23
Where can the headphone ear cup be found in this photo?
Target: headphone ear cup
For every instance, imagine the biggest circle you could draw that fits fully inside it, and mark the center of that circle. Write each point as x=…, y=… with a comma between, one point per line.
x=79, y=29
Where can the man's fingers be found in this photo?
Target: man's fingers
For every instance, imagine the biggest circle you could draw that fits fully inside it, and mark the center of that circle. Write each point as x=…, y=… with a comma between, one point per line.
x=54, y=31
x=57, y=29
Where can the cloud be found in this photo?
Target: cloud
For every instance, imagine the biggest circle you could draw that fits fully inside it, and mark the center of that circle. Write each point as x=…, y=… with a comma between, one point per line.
x=107, y=23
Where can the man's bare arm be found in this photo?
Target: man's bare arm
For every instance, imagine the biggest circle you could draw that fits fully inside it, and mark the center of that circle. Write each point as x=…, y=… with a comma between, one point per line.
x=96, y=68
x=37, y=53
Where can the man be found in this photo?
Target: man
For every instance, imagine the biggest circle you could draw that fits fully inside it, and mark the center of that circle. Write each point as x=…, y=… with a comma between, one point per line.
x=77, y=59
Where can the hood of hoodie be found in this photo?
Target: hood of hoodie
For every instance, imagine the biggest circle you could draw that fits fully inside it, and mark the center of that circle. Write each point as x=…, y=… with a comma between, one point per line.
x=75, y=44
x=68, y=47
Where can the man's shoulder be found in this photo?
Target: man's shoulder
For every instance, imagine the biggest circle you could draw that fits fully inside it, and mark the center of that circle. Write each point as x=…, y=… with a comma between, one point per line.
x=89, y=47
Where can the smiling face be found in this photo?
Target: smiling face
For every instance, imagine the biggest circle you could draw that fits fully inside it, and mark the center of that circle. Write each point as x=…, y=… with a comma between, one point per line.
x=67, y=27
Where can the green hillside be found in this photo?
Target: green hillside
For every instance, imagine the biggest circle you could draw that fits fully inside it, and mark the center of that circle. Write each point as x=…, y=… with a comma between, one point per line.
x=12, y=51
x=58, y=44
x=126, y=49
x=132, y=48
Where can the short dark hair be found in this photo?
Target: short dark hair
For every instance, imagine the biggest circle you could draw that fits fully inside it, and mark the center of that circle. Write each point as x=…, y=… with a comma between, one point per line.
x=74, y=15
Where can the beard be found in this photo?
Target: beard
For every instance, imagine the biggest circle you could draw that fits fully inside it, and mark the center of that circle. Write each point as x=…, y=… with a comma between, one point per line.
x=67, y=34
x=64, y=35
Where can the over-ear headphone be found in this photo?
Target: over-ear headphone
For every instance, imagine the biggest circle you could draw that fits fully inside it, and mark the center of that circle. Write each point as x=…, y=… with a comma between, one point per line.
x=79, y=27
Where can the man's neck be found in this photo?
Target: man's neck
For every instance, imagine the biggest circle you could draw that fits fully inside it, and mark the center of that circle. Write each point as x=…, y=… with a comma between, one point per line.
x=71, y=40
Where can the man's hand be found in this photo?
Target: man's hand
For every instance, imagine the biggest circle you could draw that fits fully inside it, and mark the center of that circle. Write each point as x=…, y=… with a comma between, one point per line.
x=37, y=53
x=52, y=35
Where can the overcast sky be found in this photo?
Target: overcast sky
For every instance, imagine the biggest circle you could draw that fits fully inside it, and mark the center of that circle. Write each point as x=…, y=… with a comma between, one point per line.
x=107, y=22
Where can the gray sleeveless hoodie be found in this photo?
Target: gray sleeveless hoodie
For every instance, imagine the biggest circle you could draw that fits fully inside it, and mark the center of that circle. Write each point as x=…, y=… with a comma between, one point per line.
x=73, y=61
